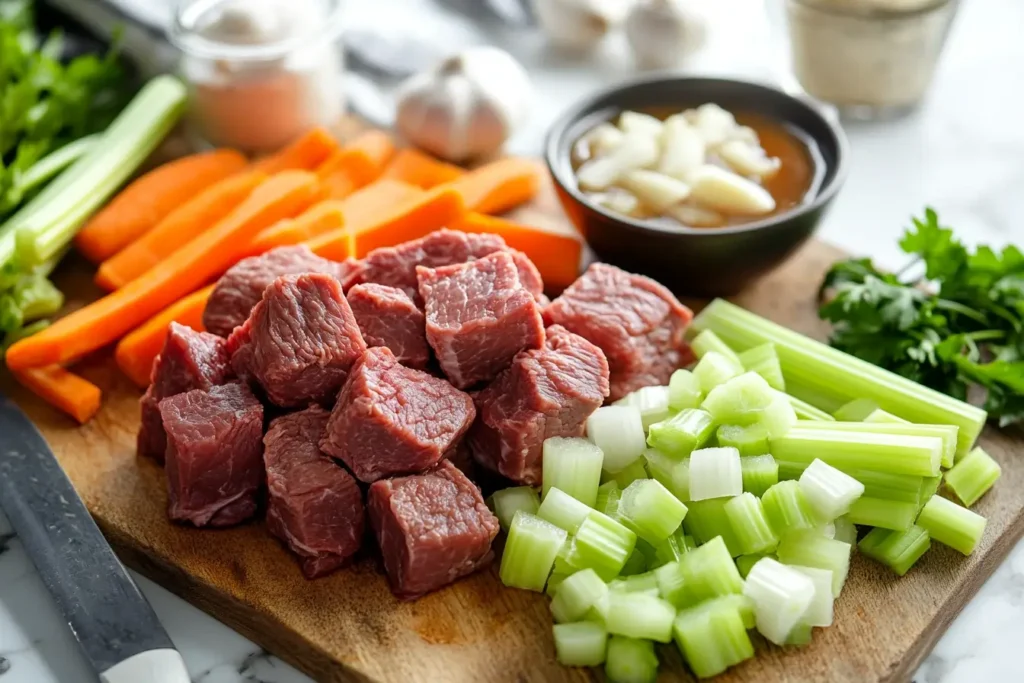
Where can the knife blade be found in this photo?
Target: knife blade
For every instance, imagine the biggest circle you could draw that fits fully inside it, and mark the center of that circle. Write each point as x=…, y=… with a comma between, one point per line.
x=114, y=624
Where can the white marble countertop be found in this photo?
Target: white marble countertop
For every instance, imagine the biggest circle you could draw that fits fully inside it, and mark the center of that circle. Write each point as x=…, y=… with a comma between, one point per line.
x=962, y=153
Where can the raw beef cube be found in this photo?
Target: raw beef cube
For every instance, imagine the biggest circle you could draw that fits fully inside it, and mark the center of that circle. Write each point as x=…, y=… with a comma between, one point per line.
x=637, y=323
x=300, y=341
x=396, y=266
x=241, y=288
x=546, y=392
x=388, y=317
x=390, y=419
x=433, y=528
x=189, y=360
x=315, y=507
x=214, y=454
x=479, y=317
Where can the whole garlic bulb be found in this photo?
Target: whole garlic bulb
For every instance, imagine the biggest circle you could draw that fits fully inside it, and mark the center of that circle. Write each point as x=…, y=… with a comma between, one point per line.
x=467, y=106
x=662, y=33
x=579, y=24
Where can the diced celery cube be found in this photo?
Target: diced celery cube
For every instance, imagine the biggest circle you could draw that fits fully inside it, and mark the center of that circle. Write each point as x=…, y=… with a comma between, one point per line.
x=562, y=510
x=630, y=660
x=714, y=369
x=812, y=550
x=746, y=515
x=673, y=474
x=888, y=514
x=898, y=550
x=747, y=439
x=684, y=390
x=781, y=598
x=507, y=502
x=764, y=361
x=713, y=640
x=577, y=594
x=530, y=552
x=760, y=473
x=708, y=341
x=787, y=508
x=740, y=400
x=682, y=433
x=975, y=474
x=952, y=524
x=573, y=465
x=652, y=402
x=650, y=510
x=706, y=519
x=639, y=615
x=627, y=475
x=715, y=473
x=819, y=613
x=829, y=492
x=708, y=572
x=619, y=432
x=608, y=496
x=580, y=644
x=604, y=544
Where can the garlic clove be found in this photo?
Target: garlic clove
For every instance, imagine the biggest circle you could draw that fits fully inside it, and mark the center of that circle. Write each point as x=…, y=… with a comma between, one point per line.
x=748, y=160
x=598, y=174
x=620, y=202
x=745, y=134
x=635, y=122
x=603, y=138
x=637, y=150
x=655, y=190
x=716, y=188
x=662, y=33
x=696, y=216
x=683, y=148
x=578, y=24
x=713, y=123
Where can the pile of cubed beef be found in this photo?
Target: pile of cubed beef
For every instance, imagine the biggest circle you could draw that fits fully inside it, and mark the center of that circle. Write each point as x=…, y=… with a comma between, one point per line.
x=329, y=395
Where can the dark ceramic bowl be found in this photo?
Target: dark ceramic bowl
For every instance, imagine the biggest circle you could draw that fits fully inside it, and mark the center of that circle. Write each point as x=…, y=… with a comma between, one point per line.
x=708, y=261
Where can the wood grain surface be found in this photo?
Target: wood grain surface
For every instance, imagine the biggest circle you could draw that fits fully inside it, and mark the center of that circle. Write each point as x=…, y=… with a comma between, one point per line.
x=348, y=627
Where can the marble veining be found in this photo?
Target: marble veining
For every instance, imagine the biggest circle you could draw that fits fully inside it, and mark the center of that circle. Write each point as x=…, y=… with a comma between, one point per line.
x=962, y=153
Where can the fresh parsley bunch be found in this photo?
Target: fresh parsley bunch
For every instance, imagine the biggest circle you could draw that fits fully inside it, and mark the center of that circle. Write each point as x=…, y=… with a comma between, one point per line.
x=957, y=323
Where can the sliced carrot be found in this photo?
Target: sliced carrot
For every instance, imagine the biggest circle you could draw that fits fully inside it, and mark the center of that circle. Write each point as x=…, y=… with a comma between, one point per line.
x=357, y=164
x=500, y=185
x=422, y=170
x=556, y=255
x=376, y=199
x=316, y=220
x=409, y=220
x=180, y=226
x=76, y=396
x=137, y=351
x=305, y=154
x=151, y=197
x=194, y=264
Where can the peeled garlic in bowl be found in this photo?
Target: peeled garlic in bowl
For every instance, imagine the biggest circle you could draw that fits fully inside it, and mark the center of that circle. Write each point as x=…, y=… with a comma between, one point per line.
x=747, y=159
x=637, y=150
x=716, y=188
x=656, y=190
x=682, y=147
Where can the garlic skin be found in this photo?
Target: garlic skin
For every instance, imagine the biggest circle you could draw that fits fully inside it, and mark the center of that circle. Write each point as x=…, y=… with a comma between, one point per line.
x=662, y=33
x=467, y=106
x=579, y=25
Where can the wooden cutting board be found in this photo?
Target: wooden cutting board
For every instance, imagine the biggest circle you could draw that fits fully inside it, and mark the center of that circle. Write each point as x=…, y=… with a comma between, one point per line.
x=348, y=627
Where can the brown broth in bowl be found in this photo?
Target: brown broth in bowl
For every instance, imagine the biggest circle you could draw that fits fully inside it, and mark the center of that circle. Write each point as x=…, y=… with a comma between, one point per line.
x=795, y=183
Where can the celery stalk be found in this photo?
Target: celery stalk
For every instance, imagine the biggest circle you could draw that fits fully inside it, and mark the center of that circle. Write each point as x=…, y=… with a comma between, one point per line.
x=706, y=519
x=714, y=369
x=880, y=416
x=819, y=613
x=673, y=474
x=708, y=572
x=573, y=465
x=888, y=514
x=603, y=543
x=764, y=361
x=650, y=510
x=805, y=411
x=530, y=552
x=639, y=615
x=898, y=550
x=829, y=492
x=855, y=411
x=811, y=550
x=787, y=509
x=644, y=582
x=952, y=524
x=713, y=639
x=56, y=161
x=975, y=474
x=823, y=376
x=562, y=510
x=679, y=435
x=753, y=533
x=747, y=439
x=507, y=502
x=740, y=400
x=947, y=433
x=760, y=473
x=929, y=487
x=580, y=644
x=894, y=453
x=630, y=660
x=715, y=473
x=708, y=341
x=684, y=390
x=900, y=487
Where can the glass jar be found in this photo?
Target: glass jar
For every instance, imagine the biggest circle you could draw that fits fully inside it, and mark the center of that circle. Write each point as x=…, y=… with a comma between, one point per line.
x=872, y=59
x=260, y=72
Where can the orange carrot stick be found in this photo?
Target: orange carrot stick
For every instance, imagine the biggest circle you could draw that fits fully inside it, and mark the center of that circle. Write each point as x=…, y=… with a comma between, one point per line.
x=556, y=254
x=416, y=168
x=409, y=220
x=148, y=199
x=500, y=185
x=181, y=225
x=357, y=164
x=373, y=200
x=64, y=390
x=212, y=252
x=316, y=220
x=305, y=154
x=136, y=352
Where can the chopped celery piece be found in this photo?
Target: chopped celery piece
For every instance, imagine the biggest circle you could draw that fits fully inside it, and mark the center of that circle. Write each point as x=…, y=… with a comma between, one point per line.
x=639, y=615
x=603, y=543
x=828, y=378
x=947, y=433
x=855, y=411
x=580, y=644
x=673, y=474
x=745, y=562
x=682, y=433
x=764, y=361
x=569, y=561
x=619, y=432
x=577, y=594
x=829, y=492
x=708, y=572
x=800, y=635
x=573, y=465
x=898, y=550
x=760, y=473
x=671, y=549
x=646, y=582
x=787, y=509
x=929, y=487
x=650, y=510
x=952, y=524
x=747, y=439
x=893, y=453
x=636, y=563
x=652, y=402
x=671, y=583
x=562, y=510
x=708, y=341
x=753, y=533
x=627, y=475
x=608, y=496
x=740, y=400
x=805, y=411
x=37, y=297
x=714, y=369
x=715, y=473
x=843, y=529
x=888, y=514
x=781, y=597
x=879, y=415
x=778, y=418
x=900, y=487
x=713, y=639
x=530, y=552
x=819, y=613
x=790, y=470
x=507, y=502
x=630, y=660
x=736, y=601
x=975, y=474
x=706, y=519
x=811, y=550
x=555, y=581
x=684, y=390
